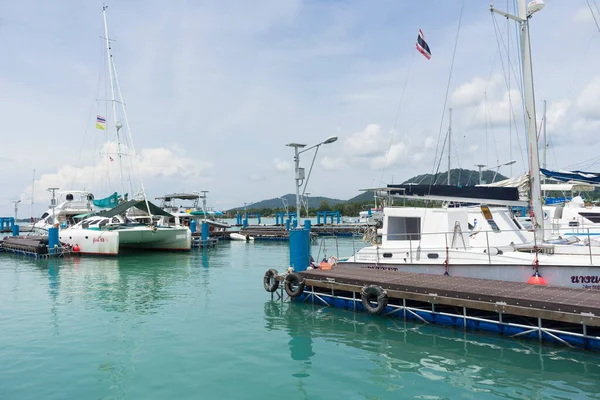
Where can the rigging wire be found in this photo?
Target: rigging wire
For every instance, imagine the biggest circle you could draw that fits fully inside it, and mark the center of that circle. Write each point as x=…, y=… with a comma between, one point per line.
x=446, y=95
x=505, y=74
x=593, y=15
x=396, y=118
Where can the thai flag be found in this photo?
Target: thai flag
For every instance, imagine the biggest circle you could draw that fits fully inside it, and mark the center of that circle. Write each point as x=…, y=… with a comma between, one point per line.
x=422, y=45
x=100, y=119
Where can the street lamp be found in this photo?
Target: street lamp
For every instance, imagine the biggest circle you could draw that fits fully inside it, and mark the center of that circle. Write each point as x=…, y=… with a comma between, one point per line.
x=299, y=172
x=481, y=166
x=16, y=208
x=306, y=196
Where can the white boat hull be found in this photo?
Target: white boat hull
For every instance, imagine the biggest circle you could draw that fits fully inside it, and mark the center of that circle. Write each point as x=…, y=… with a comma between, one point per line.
x=92, y=242
x=239, y=236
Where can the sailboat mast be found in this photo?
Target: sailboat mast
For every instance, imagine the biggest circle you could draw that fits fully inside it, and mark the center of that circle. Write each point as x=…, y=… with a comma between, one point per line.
x=530, y=120
x=545, y=144
x=112, y=94
x=449, y=141
x=32, y=191
x=535, y=198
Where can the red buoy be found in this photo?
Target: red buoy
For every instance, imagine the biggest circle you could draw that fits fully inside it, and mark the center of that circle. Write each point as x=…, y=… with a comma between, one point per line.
x=536, y=279
x=76, y=249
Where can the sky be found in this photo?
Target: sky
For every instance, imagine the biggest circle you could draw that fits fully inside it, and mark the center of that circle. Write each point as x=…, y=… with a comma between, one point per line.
x=216, y=89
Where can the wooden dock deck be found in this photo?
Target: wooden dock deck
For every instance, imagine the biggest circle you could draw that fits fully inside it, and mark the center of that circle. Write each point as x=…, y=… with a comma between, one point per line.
x=555, y=314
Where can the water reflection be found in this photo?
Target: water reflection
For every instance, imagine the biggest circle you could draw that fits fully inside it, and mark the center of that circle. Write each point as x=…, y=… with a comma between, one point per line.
x=134, y=284
x=476, y=362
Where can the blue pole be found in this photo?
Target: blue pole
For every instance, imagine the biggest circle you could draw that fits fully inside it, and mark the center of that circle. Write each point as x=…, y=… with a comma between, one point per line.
x=245, y=222
x=258, y=218
x=287, y=224
x=205, y=232
x=299, y=249
x=318, y=217
x=339, y=216
x=52, y=239
x=15, y=230
x=307, y=224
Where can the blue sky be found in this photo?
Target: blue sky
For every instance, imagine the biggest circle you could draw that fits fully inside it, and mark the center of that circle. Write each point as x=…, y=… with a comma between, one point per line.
x=215, y=89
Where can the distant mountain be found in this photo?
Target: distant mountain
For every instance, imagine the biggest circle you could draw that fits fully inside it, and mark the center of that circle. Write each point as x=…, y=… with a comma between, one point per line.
x=458, y=176
x=278, y=203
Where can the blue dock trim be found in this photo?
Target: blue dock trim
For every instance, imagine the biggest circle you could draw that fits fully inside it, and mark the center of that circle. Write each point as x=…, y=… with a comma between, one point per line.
x=501, y=324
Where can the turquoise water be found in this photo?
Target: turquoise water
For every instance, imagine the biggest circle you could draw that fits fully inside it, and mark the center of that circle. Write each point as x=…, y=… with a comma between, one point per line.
x=200, y=325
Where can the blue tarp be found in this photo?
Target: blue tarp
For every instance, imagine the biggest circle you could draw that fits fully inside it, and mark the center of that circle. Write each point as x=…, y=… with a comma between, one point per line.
x=107, y=202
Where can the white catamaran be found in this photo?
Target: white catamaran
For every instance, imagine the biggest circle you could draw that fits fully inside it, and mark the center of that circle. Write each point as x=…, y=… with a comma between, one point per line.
x=486, y=241
x=136, y=223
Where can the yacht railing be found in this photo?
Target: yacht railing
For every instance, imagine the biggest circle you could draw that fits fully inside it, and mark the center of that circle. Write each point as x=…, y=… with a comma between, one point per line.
x=432, y=243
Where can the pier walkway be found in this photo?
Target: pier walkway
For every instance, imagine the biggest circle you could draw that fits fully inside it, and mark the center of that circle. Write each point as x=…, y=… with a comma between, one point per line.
x=555, y=314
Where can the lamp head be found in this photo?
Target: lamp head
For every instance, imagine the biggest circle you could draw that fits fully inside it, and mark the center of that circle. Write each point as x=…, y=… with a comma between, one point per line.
x=534, y=6
x=330, y=139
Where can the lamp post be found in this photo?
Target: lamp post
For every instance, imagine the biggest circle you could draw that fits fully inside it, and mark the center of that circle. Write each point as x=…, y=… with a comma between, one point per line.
x=53, y=202
x=299, y=172
x=481, y=166
x=306, y=195
x=16, y=208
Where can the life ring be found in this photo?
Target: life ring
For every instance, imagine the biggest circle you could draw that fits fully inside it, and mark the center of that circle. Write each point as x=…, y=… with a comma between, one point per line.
x=292, y=280
x=211, y=228
x=374, y=294
x=271, y=282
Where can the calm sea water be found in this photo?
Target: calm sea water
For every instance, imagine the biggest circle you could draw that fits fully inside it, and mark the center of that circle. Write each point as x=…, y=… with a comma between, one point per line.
x=200, y=325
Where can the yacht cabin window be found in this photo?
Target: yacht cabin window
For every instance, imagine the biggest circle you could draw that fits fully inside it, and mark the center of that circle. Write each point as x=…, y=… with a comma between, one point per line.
x=404, y=228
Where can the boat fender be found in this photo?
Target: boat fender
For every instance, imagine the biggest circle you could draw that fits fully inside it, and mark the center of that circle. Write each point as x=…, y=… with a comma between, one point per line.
x=271, y=282
x=374, y=294
x=292, y=280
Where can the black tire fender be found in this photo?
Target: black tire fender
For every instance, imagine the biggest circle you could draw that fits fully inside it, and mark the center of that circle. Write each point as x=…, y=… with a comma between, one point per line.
x=374, y=294
x=270, y=281
x=290, y=281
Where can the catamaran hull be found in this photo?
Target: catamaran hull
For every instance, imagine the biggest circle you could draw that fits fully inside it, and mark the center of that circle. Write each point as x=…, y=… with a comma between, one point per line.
x=148, y=238
x=580, y=277
x=92, y=242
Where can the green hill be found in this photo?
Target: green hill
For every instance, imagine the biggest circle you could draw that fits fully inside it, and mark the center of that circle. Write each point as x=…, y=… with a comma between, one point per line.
x=458, y=177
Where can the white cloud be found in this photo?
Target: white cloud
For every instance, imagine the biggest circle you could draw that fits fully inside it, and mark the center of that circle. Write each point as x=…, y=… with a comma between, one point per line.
x=557, y=113
x=588, y=102
x=397, y=155
x=155, y=165
x=369, y=142
x=282, y=166
x=471, y=93
x=583, y=15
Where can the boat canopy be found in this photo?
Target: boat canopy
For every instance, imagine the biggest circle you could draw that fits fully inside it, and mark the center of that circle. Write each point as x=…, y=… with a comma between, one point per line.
x=591, y=178
x=139, y=204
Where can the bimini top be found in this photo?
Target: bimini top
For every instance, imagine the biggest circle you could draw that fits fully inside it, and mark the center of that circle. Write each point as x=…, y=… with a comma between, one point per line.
x=474, y=194
x=591, y=178
x=139, y=204
x=181, y=196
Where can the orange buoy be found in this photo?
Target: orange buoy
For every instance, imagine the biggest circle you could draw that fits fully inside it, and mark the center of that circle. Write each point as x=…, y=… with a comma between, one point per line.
x=324, y=265
x=76, y=249
x=536, y=279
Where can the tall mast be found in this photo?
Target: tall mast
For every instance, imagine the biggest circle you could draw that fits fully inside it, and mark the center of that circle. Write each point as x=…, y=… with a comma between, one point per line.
x=449, y=141
x=32, y=192
x=112, y=94
x=530, y=121
x=545, y=144
x=115, y=80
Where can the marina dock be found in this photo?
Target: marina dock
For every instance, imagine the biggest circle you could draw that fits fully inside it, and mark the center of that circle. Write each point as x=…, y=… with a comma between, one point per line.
x=280, y=233
x=549, y=314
